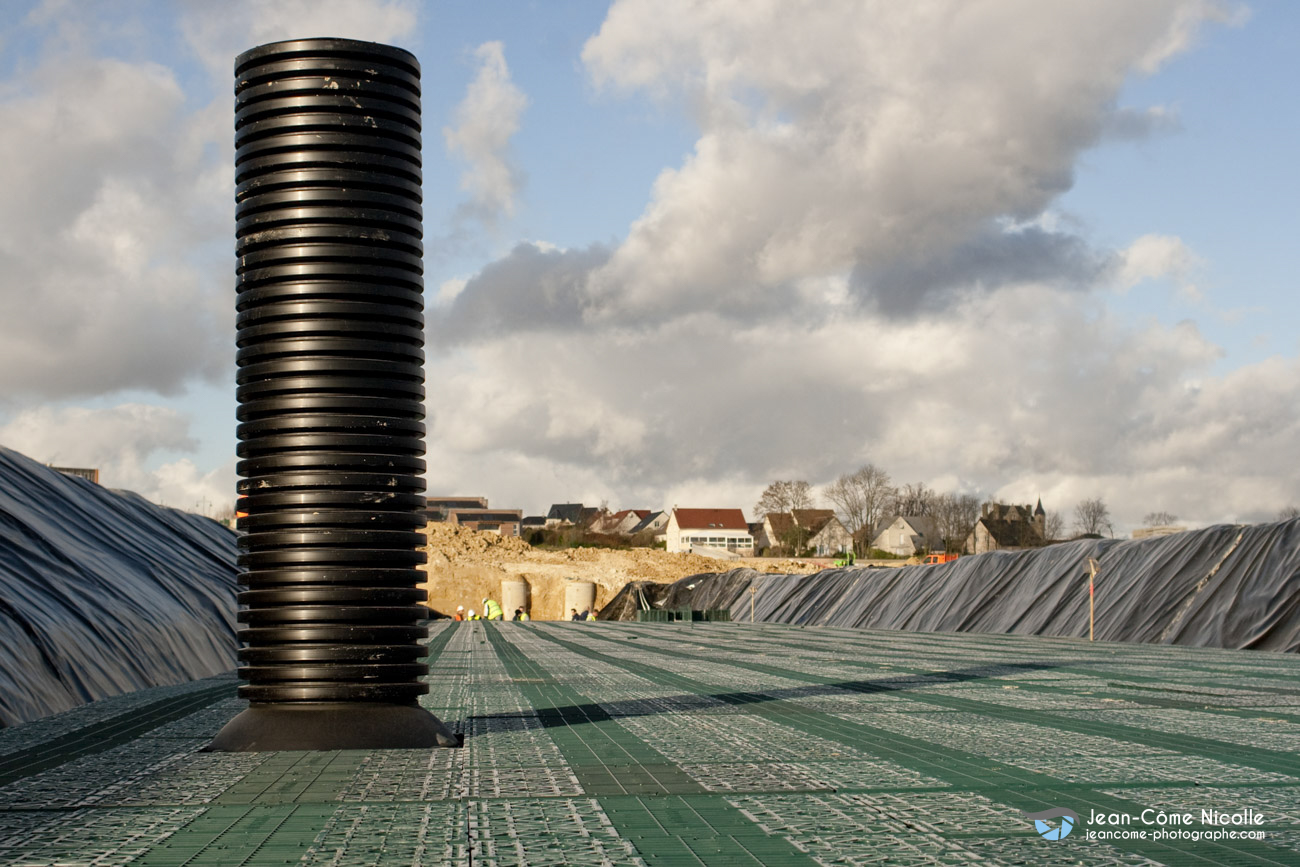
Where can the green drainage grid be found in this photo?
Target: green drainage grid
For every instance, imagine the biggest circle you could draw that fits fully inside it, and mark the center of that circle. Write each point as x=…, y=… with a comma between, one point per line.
x=701, y=743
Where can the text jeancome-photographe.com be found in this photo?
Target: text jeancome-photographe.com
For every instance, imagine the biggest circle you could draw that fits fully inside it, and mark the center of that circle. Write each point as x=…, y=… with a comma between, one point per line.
x=1153, y=824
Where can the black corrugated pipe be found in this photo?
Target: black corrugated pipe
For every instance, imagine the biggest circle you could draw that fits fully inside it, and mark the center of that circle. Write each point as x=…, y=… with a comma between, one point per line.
x=330, y=355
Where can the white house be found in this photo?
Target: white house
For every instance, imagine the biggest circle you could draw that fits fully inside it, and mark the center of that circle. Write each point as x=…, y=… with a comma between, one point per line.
x=905, y=536
x=801, y=529
x=722, y=529
x=619, y=523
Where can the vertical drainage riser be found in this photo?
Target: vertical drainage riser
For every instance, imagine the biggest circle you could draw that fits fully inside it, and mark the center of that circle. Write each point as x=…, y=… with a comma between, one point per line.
x=330, y=355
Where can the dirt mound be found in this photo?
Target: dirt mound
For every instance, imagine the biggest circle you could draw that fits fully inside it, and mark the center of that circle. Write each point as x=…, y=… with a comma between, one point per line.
x=466, y=566
x=449, y=543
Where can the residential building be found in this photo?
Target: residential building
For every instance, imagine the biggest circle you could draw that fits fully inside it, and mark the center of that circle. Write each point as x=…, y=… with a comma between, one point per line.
x=721, y=529
x=570, y=515
x=1004, y=527
x=440, y=507
x=654, y=522
x=799, y=530
x=829, y=536
x=89, y=474
x=1152, y=532
x=619, y=523
x=907, y=535
x=473, y=513
x=504, y=522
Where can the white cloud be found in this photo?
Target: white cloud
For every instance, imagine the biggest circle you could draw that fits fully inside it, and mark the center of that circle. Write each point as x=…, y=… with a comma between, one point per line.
x=1153, y=257
x=486, y=120
x=1182, y=30
x=104, y=287
x=115, y=227
x=448, y=290
x=217, y=32
x=1026, y=389
x=859, y=261
x=851, y=135
x=129, y=444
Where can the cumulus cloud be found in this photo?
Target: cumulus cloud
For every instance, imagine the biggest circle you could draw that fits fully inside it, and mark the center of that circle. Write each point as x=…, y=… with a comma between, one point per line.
x=1181, y=34
x=855, y=262
x=992, y=258
x=217, y=32
x=533, y=287
x=858, y=261
x=105, y=281
x=130, y=445
x=1207, y=449
x=1154, y=257
x=116, y=220
x=1024, y=391
x=862, y=135
x=486, y=119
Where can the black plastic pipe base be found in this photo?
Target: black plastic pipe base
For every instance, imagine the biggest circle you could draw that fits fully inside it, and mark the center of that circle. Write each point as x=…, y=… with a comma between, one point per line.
x=332, y=726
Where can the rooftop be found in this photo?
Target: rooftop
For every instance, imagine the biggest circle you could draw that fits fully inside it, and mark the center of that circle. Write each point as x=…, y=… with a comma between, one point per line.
x=624, y=743
x=704, y=519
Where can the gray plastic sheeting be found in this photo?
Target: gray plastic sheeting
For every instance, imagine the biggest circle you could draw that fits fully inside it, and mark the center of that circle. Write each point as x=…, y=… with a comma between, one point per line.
x=1224, y=586
x=103, y=592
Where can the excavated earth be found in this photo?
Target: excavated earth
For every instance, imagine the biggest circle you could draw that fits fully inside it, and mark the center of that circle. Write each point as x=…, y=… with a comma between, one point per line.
x=465, y=566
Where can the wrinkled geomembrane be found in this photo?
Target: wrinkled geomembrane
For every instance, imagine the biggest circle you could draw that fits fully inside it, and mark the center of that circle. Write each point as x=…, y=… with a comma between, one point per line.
x=104, y=593
x=1226, y=586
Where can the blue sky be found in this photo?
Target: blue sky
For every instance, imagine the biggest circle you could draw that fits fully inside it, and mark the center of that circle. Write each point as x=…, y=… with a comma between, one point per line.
x=1005, y=248
x=1223, y=180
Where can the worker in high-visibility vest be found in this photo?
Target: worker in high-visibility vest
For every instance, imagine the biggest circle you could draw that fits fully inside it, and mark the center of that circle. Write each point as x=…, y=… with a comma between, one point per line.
x=491, y=609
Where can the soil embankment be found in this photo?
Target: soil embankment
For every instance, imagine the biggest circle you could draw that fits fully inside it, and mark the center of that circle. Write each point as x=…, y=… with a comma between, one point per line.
x=466, y=566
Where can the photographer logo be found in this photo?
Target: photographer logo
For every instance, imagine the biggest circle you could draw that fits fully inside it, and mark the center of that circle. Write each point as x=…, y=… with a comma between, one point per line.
x=1068, y=818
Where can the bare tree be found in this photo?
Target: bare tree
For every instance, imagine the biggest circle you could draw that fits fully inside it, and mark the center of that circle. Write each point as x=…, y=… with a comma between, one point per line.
x=914, y=501
x=848, y=502
x=861, y=497
x=1159, y=519
x=1288, y=513
x=1054, y=526
x=1092, y=517
x=784, y=497
x=954, y=517
x=225, y=515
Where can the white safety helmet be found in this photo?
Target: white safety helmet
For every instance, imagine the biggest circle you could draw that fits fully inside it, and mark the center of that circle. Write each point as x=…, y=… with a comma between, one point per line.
x=460, y=607
x=471, y=612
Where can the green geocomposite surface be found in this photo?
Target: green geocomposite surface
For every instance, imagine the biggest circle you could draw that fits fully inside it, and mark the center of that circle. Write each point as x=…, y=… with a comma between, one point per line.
x=704, y=743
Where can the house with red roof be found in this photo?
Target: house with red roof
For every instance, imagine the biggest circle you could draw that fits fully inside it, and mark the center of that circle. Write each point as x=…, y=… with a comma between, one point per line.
x=717, y=529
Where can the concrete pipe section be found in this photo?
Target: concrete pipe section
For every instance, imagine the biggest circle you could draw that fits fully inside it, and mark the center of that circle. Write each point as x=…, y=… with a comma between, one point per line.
x=514, y=596
x=579, y=596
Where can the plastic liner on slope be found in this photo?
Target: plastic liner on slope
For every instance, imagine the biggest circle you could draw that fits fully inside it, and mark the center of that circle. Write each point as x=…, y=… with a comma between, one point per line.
x=1224, y=586
x=705, y=590
x=103, y=592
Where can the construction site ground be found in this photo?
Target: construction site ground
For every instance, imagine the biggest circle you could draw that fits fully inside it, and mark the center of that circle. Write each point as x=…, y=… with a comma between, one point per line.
x=466, y=567
x=732, y=743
